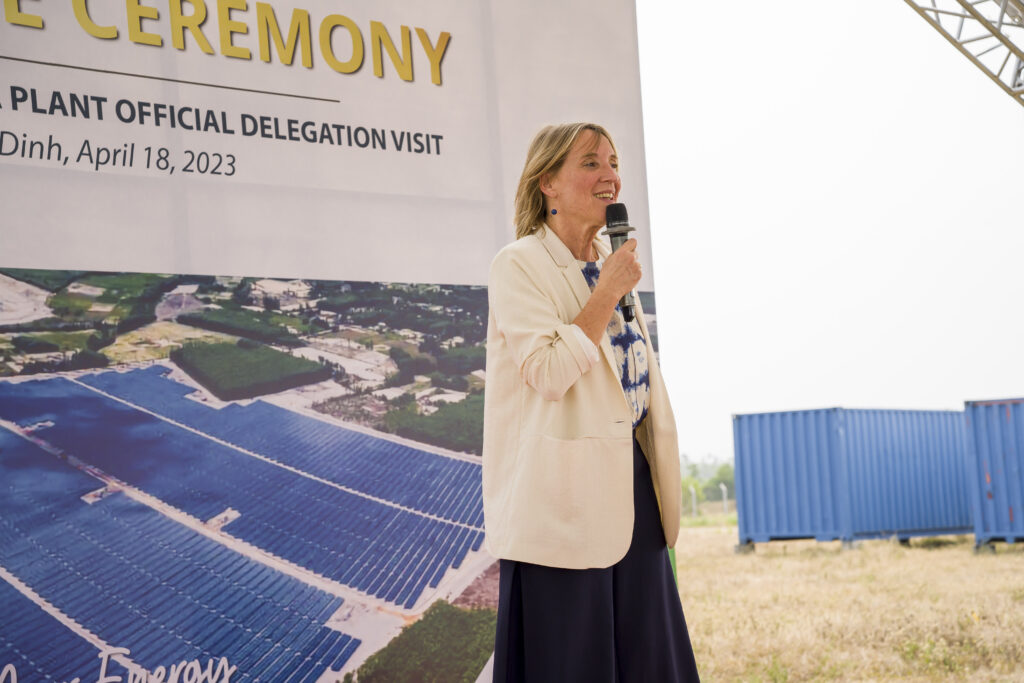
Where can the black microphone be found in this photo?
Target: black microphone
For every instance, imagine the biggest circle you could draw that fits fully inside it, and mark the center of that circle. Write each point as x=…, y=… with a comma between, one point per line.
x=616, y=220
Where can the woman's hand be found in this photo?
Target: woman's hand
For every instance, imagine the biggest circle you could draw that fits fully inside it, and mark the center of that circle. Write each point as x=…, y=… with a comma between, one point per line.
x=619, y=274
x=621, y=271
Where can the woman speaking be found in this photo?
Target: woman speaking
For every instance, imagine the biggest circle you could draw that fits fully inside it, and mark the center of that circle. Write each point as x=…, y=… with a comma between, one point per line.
x=581, y=477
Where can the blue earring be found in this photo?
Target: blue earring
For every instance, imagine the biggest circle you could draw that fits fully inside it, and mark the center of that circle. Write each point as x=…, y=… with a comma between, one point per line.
x=554, y=211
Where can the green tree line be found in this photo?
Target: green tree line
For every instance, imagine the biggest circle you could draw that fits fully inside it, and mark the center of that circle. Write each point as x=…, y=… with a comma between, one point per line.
x=707, y=489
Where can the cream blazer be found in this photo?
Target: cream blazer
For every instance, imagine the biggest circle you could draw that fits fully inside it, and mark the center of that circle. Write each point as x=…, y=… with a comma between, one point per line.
x=558, y=446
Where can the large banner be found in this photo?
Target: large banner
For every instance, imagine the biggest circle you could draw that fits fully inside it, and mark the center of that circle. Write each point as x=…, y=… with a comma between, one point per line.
x=242, y=318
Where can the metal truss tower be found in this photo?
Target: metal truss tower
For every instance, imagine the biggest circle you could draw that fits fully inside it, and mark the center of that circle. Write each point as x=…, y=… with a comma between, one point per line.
x=990, y=33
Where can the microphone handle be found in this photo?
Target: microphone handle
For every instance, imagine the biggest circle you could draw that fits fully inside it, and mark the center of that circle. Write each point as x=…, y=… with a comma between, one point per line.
x=627, y=303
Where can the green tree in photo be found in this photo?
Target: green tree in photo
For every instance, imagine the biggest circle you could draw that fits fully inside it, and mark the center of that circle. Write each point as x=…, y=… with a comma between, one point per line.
x=29, y=344
x=458, y=426
x=447, y=645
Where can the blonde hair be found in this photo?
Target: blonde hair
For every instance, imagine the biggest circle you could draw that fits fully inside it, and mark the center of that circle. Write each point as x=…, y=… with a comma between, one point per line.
x=548, y=152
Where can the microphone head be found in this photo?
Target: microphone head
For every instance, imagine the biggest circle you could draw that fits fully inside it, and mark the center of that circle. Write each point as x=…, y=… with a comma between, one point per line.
x=615, y=215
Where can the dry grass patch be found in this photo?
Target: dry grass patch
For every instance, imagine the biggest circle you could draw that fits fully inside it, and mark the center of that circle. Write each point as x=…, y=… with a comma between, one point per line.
x=156, y=341
x=802, y=610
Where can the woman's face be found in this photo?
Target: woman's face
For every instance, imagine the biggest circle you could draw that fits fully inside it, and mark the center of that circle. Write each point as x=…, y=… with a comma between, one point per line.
x=586, y=183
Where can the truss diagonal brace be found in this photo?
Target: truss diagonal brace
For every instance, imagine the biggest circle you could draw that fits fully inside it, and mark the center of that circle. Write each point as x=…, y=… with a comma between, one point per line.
x=992, y=58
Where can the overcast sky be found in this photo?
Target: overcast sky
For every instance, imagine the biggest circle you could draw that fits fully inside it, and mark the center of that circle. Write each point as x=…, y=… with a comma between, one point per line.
x=836, y=208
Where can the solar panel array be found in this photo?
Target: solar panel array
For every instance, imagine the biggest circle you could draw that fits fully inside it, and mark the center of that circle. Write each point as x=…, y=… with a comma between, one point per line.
x=342, y=534
x=139, y=580
x=444, y=487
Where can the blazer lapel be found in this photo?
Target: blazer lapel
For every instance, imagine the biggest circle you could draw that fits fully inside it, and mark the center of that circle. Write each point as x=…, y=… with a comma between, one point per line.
x=564, y=259
x=566, y=262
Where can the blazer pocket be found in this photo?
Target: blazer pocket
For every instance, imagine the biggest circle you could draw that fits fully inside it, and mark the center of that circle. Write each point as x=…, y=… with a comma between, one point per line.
x=576, y=494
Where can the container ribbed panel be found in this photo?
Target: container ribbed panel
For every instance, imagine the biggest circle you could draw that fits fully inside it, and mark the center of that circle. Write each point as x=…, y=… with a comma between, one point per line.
x=995, y=450
x=785, y=484
x=907, y=474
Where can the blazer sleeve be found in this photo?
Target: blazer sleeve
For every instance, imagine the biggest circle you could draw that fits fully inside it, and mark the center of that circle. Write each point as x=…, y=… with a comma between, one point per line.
x=546, y=349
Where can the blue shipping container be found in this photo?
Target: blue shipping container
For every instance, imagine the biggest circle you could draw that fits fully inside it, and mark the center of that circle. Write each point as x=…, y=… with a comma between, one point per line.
x=995, y=462
x=849, y=474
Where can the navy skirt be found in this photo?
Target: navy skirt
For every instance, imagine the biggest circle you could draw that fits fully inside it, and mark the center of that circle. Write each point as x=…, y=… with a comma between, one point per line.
x=619, y=624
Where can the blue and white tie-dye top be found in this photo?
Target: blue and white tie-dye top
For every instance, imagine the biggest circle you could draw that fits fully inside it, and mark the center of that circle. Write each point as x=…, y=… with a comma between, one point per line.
x=630, y=350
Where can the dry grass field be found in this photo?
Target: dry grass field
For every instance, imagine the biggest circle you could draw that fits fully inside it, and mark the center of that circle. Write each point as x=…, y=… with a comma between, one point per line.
x=808, y=611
